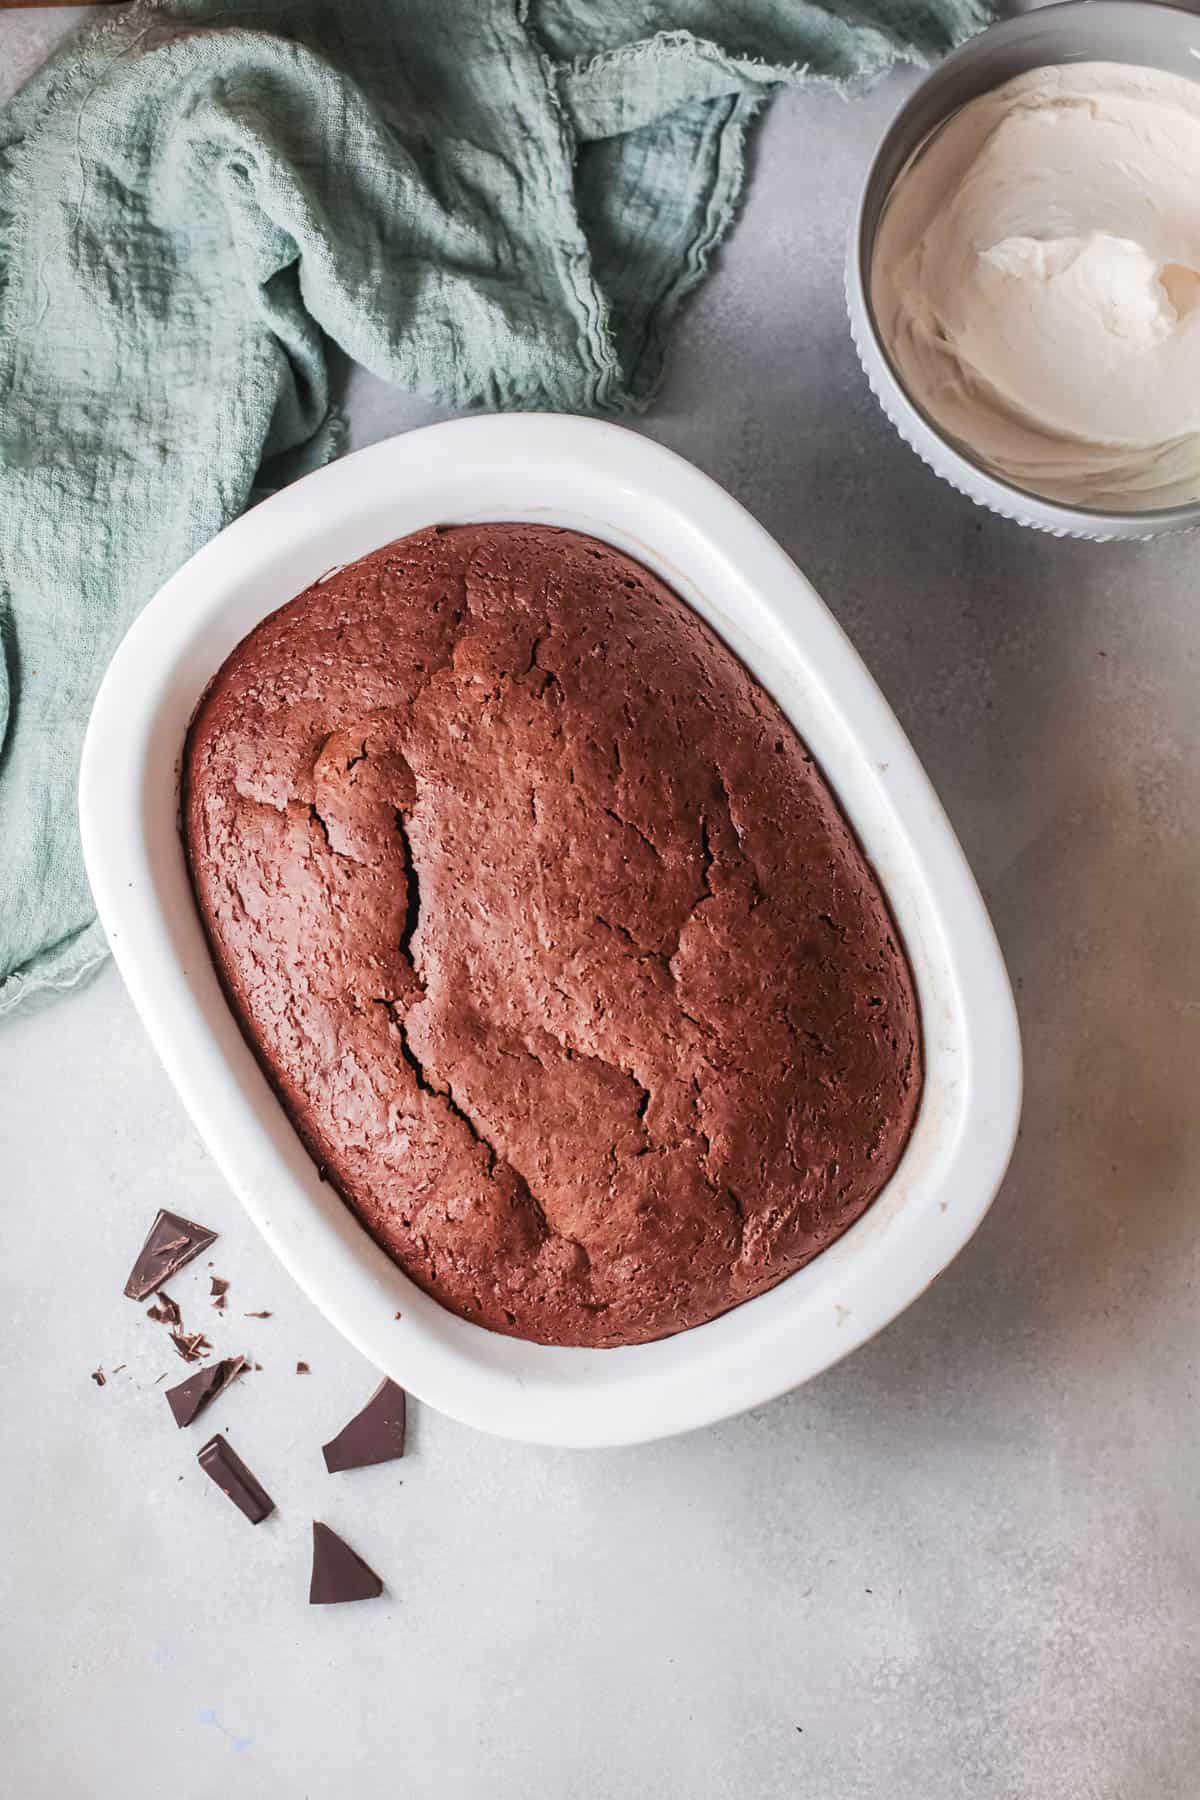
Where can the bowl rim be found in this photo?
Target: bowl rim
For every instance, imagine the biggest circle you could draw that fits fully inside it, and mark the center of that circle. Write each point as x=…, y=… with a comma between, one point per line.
x=963, y=471
x=626, y=488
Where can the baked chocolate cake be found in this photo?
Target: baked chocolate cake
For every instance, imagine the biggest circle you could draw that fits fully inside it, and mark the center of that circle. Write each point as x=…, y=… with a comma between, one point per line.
x=549, y=935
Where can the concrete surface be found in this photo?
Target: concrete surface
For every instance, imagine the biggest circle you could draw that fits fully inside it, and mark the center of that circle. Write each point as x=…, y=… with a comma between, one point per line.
x=962, y=1566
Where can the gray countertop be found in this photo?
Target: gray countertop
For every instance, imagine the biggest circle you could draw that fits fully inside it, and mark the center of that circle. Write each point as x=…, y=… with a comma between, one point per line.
x=965, y=1564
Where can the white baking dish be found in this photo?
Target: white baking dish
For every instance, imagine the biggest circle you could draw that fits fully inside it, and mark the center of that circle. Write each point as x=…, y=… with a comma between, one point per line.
x=621, y=487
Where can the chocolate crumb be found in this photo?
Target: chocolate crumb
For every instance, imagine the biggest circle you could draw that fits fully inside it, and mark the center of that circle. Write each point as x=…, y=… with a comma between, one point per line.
x=191, y=1345
x=399, y=1315
x=302, y=1368
x=217, y=1286
x=165, y=1311
x=99, y=1377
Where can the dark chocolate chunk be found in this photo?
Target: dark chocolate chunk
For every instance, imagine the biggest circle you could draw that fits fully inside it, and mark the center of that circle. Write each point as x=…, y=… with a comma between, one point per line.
x=171, y=1242
x=221, y=1462
x=99, y=1377
x=302, y=1368
x=191, y=1345
x=337, y=1572
x=165, y=1311
x=375, y=1435
x=188, y=1399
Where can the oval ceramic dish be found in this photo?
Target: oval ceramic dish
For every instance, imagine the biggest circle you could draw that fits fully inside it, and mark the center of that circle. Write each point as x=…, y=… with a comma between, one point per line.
x=601, y=479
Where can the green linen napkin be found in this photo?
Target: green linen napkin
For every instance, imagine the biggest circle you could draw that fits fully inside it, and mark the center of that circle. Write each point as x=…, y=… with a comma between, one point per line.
x=499, y=203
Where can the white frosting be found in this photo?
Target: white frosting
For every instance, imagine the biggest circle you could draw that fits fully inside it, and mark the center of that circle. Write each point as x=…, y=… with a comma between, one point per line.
x=1036, y=280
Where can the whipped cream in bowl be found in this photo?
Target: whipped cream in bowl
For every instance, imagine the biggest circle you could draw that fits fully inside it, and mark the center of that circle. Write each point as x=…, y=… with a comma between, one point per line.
x=1025, y=283
x=1036, y=280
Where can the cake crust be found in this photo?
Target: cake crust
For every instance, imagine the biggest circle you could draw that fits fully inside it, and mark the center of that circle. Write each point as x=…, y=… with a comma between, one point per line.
x=549, y=934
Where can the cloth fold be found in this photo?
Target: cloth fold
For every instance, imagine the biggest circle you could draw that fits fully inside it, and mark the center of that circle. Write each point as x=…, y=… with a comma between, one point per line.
x=499, y=203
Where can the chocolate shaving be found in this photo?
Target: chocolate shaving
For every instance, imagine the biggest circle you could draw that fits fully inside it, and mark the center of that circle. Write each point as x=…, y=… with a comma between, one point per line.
x=374, y=1435
x=338, y=1572
x=257, y=1315
x=221, y=1462
x=171, y=1242
x=188, y=1399
x=165, y=1311
x=191, y=1345
x=99, y=1377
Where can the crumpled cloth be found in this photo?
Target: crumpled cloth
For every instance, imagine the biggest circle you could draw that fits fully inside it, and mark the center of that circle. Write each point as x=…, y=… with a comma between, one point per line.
x=499, y=203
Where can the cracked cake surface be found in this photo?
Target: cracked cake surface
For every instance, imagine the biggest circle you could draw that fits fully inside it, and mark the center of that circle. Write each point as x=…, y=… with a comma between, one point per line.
x=549, y=935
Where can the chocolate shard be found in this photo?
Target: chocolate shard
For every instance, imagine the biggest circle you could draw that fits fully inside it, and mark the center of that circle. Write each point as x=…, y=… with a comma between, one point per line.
x=188, y=1399
x=221, y=1462
x=171, y=1242
x=337, y=1572
x=375, y=1435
